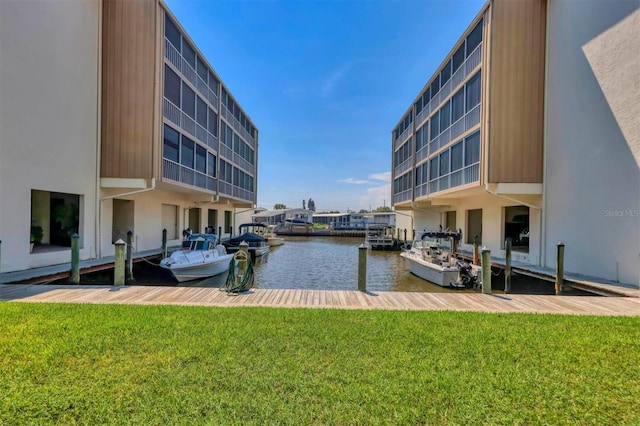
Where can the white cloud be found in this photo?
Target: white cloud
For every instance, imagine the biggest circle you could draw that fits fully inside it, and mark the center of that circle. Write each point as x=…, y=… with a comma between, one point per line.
x=352, y=180
x=376, y=196
x=333, y=79
x=385, y=176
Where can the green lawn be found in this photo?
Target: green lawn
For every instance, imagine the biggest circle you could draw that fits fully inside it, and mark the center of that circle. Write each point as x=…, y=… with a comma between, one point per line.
x=106, y=364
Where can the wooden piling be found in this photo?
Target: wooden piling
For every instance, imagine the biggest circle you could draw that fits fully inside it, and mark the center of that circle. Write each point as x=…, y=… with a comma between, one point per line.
x=405, y=235
x=486, y=271
x=362, y=268
x=560, y=269
x=75, y=259
x=164, y=243
x=507, y=266
x=476, y=243
x=129, y=270
x=119, y=266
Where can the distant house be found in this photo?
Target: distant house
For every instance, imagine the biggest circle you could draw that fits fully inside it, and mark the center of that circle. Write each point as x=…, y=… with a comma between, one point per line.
x=341, y=221
x=283, y=216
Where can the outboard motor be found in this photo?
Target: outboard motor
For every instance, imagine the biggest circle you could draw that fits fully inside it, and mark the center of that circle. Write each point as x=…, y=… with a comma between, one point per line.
x=466, y=275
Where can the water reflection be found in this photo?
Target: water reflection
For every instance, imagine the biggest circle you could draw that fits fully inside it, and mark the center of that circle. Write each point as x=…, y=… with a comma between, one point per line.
x=331, y=263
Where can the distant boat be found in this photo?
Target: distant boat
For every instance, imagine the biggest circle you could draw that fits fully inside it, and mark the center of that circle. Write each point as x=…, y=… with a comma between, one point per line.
x=272, y=238
x=201, y=257
x=258, y=245
x=380, y=237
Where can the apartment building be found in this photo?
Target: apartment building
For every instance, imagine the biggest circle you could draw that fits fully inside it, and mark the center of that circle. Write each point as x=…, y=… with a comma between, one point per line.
x=513, y=134
x=467, y=153
x=112, y=120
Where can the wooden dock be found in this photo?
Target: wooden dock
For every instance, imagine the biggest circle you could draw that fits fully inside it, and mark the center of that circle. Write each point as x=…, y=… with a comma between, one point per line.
x=323, y=299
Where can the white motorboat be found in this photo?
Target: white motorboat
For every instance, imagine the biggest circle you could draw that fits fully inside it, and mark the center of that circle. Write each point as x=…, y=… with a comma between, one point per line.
x=201, y=257
x=431, y=261
x=272, y=238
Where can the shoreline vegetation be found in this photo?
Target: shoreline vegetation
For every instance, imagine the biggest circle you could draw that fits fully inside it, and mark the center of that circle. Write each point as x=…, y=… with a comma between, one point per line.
x=117, y=364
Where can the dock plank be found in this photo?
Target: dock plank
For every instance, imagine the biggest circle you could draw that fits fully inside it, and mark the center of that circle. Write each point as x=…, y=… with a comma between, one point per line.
x=323, y=299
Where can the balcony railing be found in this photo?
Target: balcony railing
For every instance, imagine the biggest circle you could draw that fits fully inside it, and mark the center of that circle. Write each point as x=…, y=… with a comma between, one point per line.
x=403, y=136
x=226, y=114
x=422, y=190
x=422, y=153
x=467, y=68
x=189, y=125
x=179, y=173
x=176, y=59
x=469, y=174
x=402, y=196
x=464, y=123
x=403, y=167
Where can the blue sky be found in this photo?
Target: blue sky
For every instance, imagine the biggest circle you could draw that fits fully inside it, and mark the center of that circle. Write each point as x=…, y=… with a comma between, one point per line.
x=325, y=82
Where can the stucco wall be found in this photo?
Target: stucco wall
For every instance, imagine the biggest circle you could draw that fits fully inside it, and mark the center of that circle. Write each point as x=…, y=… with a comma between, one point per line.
x=147, y=213
x=592, y=178
x=48, y=118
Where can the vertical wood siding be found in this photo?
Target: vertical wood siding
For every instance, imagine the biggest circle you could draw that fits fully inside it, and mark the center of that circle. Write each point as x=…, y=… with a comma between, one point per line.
x=516, y=89
x=128, y=70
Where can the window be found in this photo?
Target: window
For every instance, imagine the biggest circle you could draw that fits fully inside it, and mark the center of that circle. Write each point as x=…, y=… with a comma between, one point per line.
x=187, y=151
x=445, y=75
x=171, y=85
x=457, y=105
x=472, y=149
x=474, y=38
x=55, y=217
x=435, y=86
x=418, y=106
x=458, y=57
x=201, y=112
x=473, y=92
x=433, y=168
x=444, y=163
x=188, y=54
x=214, y=84
x=213, y=123
x=170, y=149
x=228, y=138
x=419, y=138
x=188, y=101
x=435, y=125
x=421, y=174
x=456, y=156
x=201, y=159
x=211, y=164
x=445, y=116
x=171, y=32
x=224, y=97
x=426, y=97
x=202, y=70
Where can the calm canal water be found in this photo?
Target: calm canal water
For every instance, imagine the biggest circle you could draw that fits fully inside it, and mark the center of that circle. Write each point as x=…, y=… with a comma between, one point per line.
x=331, y=263
x=328, y=263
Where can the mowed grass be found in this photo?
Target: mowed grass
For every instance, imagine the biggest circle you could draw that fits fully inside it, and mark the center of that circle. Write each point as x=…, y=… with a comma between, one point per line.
x=114, y=364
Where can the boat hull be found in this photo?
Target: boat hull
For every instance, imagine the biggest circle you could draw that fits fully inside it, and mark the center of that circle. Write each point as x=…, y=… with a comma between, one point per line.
x=436, y=274
x=254, y=251
x=275, y=241
x=188, y=272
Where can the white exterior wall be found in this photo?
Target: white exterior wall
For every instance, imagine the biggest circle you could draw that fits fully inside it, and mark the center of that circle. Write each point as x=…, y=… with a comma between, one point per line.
x=592, y=143
x=147, y=226
x=493, y=235
x=49, y=85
